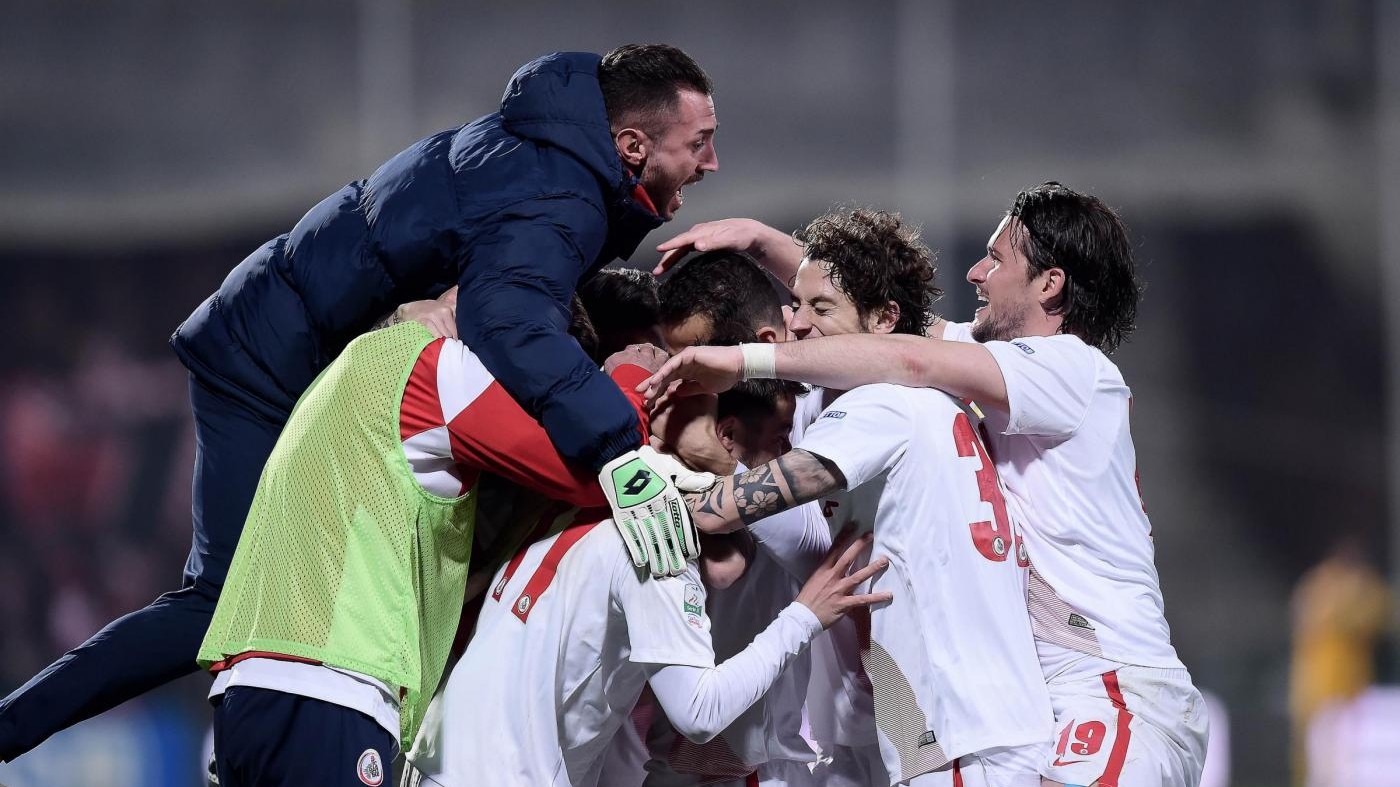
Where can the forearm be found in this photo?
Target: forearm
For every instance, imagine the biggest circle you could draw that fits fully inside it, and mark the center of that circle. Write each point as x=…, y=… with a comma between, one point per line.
x=790, y=480
x=701, y=702
x=960, y=368
x=779, y=252
x=392, y=318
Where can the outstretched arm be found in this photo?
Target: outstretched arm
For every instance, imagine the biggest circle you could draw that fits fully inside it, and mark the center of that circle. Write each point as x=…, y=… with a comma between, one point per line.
x=738, y=501
x=774, y=249
x=702, y=701
x=962, y=369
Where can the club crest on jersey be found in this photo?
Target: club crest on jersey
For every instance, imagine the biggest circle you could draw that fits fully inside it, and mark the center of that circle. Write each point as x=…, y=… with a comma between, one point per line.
x=370, y=768
x=523, y=605
x=1025, y=348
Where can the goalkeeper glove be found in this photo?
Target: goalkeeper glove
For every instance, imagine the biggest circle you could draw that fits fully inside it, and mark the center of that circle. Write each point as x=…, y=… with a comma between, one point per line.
x=644, y=489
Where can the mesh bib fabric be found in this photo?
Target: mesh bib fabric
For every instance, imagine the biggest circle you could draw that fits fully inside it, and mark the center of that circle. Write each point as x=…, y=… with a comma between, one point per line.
x=345, y=558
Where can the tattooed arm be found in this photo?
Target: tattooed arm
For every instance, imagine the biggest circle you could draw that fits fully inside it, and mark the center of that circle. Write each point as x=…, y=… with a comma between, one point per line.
x=738, y=501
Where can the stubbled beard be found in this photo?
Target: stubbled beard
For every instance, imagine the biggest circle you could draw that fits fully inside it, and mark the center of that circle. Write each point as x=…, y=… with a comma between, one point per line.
x=999, y=328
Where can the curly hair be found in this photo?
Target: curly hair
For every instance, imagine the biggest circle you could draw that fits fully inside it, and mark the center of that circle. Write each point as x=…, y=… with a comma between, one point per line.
x=1059, y=227
x=874, y=259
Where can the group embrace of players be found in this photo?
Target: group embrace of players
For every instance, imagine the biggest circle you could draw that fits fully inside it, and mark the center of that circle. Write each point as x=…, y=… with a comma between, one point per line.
x=528, y=536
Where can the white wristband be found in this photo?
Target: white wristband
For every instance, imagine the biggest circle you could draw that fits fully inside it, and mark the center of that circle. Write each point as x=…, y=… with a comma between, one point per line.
x=760, y=361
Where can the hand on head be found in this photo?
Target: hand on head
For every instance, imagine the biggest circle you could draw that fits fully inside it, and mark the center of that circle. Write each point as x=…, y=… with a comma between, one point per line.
x=699, y=370
x=745, y=235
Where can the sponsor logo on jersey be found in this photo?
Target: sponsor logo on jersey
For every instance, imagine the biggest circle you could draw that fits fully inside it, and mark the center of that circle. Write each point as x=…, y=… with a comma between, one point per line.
x=1075, y=619
x=523, y=605
x=834, y=414
x=370, y=769
x=928, y=739
x=1025, y=348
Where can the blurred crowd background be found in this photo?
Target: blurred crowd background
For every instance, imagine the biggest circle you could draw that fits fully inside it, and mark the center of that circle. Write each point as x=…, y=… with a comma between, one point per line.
x=1252, y=146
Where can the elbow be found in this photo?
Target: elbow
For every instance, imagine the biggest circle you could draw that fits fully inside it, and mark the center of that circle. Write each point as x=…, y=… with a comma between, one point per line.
x=696, y=730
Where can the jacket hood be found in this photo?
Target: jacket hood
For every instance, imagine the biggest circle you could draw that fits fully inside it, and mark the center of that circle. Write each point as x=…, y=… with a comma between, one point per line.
x=555, y=99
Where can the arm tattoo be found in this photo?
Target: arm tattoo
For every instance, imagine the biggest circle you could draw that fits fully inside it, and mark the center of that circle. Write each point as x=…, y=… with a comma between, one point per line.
x=790, y=480
x=392, y=318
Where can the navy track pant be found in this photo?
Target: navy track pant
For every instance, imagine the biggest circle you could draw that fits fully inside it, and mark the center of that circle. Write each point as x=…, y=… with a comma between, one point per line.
x=157, y=644
x=265, y=738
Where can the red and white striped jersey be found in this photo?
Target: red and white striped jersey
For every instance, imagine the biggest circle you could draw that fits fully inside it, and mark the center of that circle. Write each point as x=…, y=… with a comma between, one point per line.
x=561, y=653
x=456, y=422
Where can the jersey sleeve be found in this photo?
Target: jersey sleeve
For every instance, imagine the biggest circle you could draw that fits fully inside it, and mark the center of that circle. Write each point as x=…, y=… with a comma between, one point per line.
x=1050, y=381
x=957, y=331
x=517, y=277
x=797, y=538
x=702, y=702
x=495, y=435
x=666, y=619
x=864, y=432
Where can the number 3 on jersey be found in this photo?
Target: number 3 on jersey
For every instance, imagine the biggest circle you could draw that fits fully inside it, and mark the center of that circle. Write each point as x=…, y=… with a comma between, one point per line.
x=993, y=539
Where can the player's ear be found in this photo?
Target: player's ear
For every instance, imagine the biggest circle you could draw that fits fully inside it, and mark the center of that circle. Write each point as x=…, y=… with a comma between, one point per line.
x=1052, y=285
x=633, y=146
x=768, y=335
x=725, y=429
x=883, y=319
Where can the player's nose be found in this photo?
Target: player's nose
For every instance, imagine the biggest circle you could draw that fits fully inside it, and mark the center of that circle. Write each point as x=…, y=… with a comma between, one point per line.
x=978, y=272
x=711, y=161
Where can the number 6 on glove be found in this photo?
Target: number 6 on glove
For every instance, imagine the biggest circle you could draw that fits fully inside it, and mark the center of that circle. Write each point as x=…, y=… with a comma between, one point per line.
x=644, y=489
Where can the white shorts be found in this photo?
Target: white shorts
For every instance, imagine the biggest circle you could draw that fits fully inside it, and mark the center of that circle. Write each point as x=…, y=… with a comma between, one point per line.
x=1132, y=727
x=1012, y=766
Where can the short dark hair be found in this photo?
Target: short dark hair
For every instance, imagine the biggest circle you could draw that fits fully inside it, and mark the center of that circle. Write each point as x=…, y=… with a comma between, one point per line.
x=729, y=289
x=1062, y=228
x=581, y=328
x=623, y=305
x=641, y=84
x=875, y=259
x=753, y=400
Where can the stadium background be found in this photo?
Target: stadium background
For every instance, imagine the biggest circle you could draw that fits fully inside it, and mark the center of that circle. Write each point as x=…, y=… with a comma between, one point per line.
x=1253, y=147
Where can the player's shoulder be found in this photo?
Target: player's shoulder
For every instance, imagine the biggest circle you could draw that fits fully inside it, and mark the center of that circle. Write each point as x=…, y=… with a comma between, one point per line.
x=904, y=400
x=871, y=393
x=1058, y=350
x=624, y=576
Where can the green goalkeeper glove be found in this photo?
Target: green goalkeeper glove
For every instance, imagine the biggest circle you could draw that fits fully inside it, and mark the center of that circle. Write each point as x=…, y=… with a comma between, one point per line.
x=644, y=489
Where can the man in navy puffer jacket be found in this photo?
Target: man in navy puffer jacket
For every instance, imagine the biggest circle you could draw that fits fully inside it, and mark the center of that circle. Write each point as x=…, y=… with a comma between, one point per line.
x=586, y=156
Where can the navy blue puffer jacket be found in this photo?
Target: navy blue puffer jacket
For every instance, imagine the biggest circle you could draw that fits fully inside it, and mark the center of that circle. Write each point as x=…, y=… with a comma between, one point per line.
x=517, y=207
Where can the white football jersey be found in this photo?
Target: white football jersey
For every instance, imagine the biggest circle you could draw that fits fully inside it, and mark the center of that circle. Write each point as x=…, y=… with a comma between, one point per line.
x=1065, y=454
x=840, y=706
x=769, y=730
x=557, y=662
x=951, y=660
